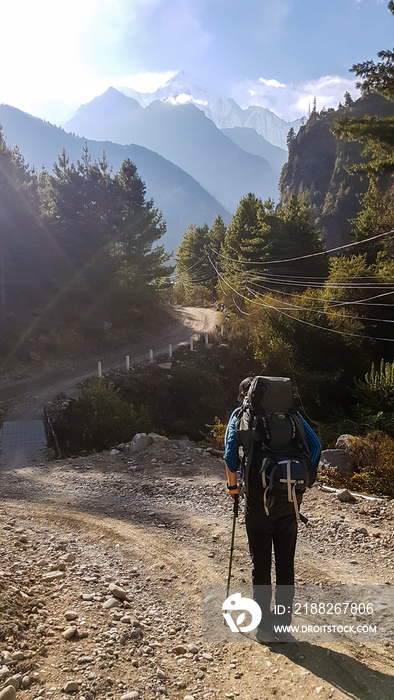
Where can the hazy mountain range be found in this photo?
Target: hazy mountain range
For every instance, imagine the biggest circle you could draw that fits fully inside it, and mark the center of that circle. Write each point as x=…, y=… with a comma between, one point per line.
x=198, y=153
x=185, y=136
x=223, y=111
x=180, y=198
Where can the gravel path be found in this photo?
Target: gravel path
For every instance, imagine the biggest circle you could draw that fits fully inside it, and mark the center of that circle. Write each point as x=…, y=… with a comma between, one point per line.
x=23, y=398
x=104, y=558
x=101, y=571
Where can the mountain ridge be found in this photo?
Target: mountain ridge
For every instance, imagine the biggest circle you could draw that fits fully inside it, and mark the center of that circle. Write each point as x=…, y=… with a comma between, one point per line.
x=175, y=193
x=183, y=135
x=225, y=112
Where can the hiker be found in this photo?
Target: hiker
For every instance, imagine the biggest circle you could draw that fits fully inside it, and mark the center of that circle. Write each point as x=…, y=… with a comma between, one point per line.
x=271, y=504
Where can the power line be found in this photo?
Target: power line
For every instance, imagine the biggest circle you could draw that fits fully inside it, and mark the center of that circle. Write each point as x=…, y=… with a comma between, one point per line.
x=319, y=311
x=324, y=328
x=295, y=318
x=311, y=255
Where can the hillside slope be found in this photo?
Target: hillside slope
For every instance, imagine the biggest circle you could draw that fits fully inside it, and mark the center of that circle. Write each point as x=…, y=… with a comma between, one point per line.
x=183, y=135
x=180, y=198
x=318, y=168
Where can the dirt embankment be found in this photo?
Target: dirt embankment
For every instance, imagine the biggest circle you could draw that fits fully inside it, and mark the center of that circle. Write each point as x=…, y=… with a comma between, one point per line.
x=157, y=525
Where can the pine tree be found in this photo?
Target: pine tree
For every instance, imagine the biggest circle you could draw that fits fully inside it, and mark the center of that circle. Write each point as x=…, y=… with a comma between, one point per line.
x=105, y=231
x=348, y=100
x=217, y=234
x=377, y=134
x=244, y=235
x=21, y=282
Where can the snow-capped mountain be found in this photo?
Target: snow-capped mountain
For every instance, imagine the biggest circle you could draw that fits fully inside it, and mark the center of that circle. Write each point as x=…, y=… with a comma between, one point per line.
x=223, y=111
x=183, y=135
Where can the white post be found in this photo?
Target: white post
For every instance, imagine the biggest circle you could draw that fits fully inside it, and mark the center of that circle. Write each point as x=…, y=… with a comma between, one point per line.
x=191, y=342
x=99, y=373
x=150, y=355
x=206, y=339
x=170, y=350
x=221, y=329
x=127, y=362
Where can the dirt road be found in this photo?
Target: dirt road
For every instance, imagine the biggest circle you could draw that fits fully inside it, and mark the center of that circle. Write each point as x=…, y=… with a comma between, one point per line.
x=157, y=524
x=102, y=566
x=23, y=399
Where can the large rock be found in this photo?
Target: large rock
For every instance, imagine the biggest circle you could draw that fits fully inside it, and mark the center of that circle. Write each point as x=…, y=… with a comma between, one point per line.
x=141, y=441
x=346, y=442
x=117, y=592
x=340, y=459
x=159, y=439
x=345, y=496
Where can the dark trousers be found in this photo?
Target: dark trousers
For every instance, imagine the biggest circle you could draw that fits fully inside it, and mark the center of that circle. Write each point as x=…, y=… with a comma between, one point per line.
x=276, y=532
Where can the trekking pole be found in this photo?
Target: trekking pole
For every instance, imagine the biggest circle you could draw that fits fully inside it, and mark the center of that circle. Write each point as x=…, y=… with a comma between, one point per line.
x=235, y=511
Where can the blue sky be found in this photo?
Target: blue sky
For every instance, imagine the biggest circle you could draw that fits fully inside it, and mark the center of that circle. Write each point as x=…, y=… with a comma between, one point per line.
x=277, y=53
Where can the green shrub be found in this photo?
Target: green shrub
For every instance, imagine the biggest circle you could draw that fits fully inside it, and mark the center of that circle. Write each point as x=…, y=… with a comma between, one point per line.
x=374, y=466
x=216, y=435
x=374, y=457
x=98, y=420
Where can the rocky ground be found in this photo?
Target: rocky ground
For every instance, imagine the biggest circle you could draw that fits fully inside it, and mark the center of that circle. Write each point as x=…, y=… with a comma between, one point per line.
x=102, y=564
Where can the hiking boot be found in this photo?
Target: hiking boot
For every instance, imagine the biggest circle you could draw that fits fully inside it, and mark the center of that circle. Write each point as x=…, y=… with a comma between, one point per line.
x=284, y=637
x=264, y=635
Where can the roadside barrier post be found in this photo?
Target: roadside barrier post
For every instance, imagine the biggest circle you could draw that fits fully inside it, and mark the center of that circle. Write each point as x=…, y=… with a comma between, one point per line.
x=99, y=372
x=127, y=362
x=150, y=355
x=170, y=350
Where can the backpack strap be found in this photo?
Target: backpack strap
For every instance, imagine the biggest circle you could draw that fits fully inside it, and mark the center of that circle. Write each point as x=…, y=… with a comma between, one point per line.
x=268, y=496
x=248, y=461
x=300, y=433
x=262, y=421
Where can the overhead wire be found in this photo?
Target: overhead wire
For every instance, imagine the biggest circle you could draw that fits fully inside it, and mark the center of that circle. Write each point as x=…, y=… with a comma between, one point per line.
x=295, y=318
x=240, y=277
x=334, y=302
x=310, y=255
x=319, y=311
x=325, y=328
x=244, y=278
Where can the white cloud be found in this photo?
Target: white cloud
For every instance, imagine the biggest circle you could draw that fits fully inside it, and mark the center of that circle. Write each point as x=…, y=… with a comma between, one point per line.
x=294, y=101
x=271, y=83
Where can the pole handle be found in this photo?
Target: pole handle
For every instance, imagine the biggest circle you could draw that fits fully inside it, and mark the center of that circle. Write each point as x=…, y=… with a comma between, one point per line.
x=236, y=504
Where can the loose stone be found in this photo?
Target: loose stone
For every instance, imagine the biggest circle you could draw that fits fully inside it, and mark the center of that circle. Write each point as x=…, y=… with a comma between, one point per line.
x=52, y=576
x=71, y=687
x=8, y=693
x=117, y=592
x=71, y=615
x=69, y=632
x=178, y=650
x=110, y=603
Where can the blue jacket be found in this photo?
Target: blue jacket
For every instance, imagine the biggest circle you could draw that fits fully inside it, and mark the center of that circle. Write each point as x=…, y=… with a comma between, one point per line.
x=231, y=453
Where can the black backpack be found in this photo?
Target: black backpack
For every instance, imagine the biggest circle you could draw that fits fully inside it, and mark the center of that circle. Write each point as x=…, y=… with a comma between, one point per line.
x=273, y=439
